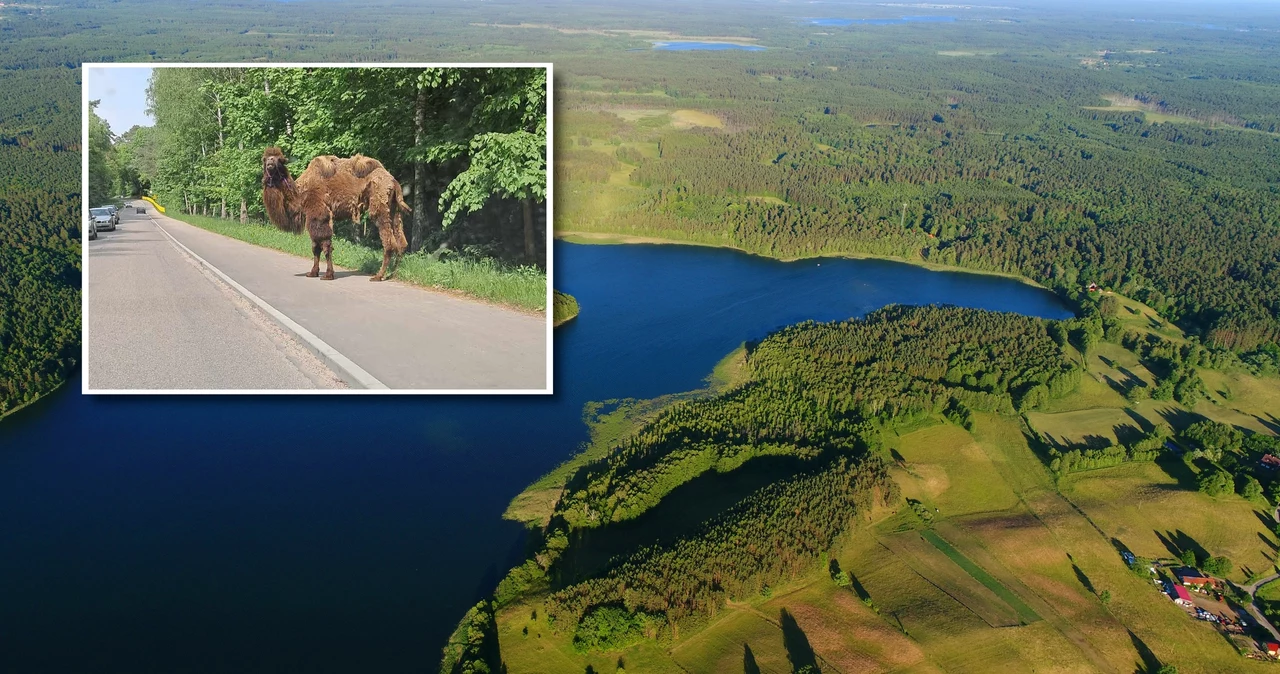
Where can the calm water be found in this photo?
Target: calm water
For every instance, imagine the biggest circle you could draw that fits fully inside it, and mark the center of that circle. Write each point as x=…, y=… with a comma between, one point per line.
x=340, y=534
x=704, y=46
x=882, y=22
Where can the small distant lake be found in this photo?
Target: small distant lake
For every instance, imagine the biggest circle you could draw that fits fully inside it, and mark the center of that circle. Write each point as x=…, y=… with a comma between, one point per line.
x=882, y=22
x=704, y=46
x=231, y=534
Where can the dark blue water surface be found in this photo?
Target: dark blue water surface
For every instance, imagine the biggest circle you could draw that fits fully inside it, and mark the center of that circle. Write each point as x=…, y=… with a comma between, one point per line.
x=704, y=46
x=882, y=22
x=349, y=533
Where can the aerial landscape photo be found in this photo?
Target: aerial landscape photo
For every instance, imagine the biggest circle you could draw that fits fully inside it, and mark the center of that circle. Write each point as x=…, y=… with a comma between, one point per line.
x=888, y=337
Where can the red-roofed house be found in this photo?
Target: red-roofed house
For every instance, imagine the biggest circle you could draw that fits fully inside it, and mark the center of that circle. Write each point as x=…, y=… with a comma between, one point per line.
x=1193, y=578
x=1180, y=596
x=1273, y=649
x=1270, y=461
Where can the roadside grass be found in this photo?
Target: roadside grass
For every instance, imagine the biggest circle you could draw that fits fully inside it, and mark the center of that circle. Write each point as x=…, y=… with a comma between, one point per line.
x=523, y=288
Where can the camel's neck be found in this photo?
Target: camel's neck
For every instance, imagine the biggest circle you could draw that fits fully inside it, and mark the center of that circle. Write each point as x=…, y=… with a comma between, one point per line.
x=282, y=206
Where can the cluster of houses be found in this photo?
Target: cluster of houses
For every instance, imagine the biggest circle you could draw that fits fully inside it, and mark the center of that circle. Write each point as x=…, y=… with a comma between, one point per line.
x=1187, y=580
x=1188, y=577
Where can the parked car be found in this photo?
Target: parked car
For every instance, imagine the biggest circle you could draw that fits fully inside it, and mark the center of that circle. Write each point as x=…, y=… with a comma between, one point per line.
x=92, y=229
x=102, y=219
x=115, y=213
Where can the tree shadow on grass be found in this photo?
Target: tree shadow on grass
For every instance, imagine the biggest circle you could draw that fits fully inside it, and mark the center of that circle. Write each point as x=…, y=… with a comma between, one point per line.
x=854, y=584
x=1271, y=422
x=1142, y=422
x=1084, y=580
x=1127, y=433
x=1178, y=542
x=799, y=651
x=897, y=457
x=749, y=665
x=1179, y=418
x=1149, y=663
x=1176, y=468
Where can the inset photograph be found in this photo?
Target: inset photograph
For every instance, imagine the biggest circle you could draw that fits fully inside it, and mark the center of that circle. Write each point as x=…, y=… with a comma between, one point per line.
x=317, y=228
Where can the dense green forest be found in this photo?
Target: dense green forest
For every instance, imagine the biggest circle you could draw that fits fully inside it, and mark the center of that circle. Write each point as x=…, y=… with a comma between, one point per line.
x=817, y=394
x=972, y=142
x=39, y=234
x=816, y=387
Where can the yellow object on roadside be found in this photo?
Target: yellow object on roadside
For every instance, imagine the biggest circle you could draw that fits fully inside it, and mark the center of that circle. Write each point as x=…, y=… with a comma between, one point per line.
x=153, y=203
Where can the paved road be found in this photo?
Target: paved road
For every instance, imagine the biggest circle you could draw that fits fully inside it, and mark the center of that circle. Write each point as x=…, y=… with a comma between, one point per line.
x=405, y=336
x=156, y=320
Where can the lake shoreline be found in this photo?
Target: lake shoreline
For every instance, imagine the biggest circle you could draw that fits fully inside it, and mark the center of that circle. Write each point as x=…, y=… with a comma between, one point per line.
x=609, y=238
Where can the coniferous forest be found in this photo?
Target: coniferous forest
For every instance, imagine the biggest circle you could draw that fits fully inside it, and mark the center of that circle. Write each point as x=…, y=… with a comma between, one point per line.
x=1139, y=156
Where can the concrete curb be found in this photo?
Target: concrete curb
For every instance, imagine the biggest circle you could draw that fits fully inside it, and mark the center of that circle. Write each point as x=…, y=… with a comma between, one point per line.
x=353, y=374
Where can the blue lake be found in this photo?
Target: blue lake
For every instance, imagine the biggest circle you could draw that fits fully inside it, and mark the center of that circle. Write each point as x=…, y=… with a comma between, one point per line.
x=704, y=46
x=882, y=22
x=341, y=533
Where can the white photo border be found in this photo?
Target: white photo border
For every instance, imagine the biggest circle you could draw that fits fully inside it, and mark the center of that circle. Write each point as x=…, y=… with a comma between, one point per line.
x=84, y=247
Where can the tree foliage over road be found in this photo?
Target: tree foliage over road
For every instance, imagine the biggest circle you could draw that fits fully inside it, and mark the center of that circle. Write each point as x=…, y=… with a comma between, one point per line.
x=464, y=139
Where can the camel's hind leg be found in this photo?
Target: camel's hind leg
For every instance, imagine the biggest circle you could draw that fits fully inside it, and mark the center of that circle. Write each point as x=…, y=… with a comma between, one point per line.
x=328, y=259
x=393, y=244
x=316, y=248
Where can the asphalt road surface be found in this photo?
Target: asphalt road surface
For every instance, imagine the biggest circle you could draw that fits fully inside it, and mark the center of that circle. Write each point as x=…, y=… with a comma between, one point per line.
x=157, y=319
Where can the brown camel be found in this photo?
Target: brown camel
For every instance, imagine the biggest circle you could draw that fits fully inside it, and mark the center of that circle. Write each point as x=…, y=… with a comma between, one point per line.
x=330, y=188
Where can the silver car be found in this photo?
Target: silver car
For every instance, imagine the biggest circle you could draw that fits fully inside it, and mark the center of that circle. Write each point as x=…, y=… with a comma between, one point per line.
x=103, y=221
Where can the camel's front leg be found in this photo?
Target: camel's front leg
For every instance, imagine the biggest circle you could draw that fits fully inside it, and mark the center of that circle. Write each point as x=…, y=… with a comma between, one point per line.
x=328, y=259
x=315, y=265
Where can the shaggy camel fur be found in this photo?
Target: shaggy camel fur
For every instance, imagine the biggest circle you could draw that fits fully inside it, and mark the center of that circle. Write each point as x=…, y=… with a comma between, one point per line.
x=330, y=188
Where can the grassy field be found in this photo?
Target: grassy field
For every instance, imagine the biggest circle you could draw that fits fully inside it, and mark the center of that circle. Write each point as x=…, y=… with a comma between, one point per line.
x=979, y=574
x=1155, y=511
x=1011, y=571
x=1085, y=428
x=523, y=288
x=944, y=468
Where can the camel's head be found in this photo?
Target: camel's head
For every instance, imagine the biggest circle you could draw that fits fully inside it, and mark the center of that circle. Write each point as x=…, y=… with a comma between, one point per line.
x=275, y=170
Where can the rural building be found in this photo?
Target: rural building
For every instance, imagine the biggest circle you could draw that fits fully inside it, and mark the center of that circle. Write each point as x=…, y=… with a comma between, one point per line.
x=1273, y=649
x=1193, y=578
x=1270, y=461
x=1093, y=288
x=1179, y=595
